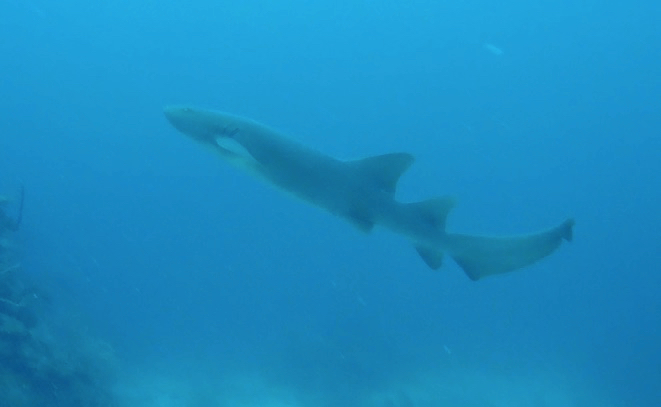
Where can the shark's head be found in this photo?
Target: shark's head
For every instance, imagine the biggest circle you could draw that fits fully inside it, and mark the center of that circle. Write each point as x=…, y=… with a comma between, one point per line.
x=204, y=126
x=216, y=130
x=211, y=128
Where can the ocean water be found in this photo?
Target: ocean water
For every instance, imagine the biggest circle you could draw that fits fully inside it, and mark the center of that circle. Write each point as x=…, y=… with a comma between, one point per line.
x=215, y=290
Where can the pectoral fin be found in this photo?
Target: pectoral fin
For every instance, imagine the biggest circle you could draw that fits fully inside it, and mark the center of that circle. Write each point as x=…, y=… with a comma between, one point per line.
x=359, y=220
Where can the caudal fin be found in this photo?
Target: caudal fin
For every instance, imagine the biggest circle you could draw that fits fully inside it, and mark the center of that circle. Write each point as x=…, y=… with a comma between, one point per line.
x=481, y=256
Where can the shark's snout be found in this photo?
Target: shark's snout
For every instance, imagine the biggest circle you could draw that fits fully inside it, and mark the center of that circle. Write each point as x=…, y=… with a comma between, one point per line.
x=176, y=116
x=191, y=122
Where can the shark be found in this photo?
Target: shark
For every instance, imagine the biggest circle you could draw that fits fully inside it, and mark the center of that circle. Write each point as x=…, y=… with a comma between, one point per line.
x=361, y=192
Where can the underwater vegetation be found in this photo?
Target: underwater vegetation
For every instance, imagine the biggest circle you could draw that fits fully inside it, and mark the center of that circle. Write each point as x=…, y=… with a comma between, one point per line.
x=38, y=367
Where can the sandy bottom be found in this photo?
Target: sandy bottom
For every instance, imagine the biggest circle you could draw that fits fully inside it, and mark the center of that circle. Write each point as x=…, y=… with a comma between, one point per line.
x=451, y=388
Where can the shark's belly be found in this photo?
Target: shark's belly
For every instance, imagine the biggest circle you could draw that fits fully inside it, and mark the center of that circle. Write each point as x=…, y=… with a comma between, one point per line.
x=330, y=190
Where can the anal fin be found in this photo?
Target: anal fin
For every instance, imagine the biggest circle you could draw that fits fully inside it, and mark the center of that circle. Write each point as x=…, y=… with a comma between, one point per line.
x=432, y=257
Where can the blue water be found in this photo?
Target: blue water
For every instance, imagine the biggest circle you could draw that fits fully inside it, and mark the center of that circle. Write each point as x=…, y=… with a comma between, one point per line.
x=526, y=112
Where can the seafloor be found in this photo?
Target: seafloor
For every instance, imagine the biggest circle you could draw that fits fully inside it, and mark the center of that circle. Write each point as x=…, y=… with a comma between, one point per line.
x=48, y=359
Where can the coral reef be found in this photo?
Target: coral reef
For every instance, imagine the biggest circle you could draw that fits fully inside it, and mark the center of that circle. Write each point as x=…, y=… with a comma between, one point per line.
x=37, y=366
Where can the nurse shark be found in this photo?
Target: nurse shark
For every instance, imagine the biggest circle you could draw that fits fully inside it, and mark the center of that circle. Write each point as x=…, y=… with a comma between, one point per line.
x=362, y=192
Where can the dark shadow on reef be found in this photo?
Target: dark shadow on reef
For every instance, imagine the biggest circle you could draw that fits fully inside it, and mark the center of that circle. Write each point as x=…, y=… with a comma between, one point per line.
x=40, y=365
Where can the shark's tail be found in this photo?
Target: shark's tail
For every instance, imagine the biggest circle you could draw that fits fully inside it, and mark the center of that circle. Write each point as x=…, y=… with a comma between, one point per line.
x=481, y=256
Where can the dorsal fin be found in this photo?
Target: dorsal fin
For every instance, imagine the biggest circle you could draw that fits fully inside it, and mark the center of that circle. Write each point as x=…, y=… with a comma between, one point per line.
x=434, y=211
x=385, y=169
